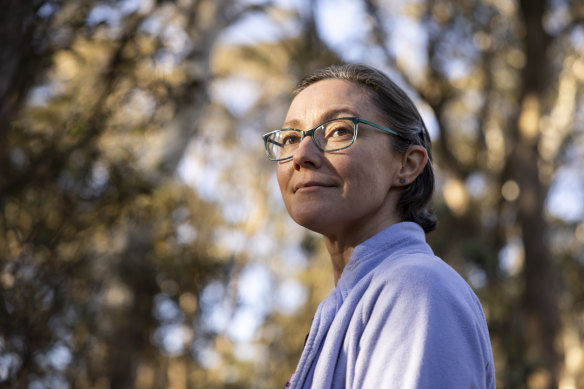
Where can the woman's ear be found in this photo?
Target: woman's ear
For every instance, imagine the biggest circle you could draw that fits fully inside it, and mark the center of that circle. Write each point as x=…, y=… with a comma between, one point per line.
x=413, y=163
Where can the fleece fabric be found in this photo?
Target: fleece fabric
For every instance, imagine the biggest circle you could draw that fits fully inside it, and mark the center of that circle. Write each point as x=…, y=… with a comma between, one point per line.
x=399, y=317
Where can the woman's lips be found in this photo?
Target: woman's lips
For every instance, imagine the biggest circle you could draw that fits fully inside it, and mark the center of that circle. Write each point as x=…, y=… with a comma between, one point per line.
x=311, y=185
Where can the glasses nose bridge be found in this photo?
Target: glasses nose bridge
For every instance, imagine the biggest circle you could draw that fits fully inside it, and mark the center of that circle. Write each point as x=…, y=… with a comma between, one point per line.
x=311, y=133
x=307, y=133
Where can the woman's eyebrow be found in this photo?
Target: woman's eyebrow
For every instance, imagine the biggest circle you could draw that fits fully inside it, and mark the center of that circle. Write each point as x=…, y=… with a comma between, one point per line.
x=337, y=113
x=328, y=115
x=293, y=123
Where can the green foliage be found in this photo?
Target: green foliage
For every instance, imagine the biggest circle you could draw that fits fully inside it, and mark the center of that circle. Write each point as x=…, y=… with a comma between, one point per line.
x=132, y=170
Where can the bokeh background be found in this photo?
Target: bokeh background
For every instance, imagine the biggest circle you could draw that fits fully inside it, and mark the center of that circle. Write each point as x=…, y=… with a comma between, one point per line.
x=143, y=241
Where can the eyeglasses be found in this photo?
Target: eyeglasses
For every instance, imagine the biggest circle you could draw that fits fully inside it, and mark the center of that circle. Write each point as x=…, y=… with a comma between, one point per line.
x=332, y=135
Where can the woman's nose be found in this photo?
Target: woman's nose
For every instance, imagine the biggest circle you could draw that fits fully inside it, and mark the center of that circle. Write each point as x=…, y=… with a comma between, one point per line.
x=307, y=154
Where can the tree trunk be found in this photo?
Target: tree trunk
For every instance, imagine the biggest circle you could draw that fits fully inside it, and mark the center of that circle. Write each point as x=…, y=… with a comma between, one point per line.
x=540, y=323
x=21, y=54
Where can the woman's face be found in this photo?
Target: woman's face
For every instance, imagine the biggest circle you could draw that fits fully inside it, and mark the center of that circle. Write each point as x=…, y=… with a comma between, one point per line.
x=349, y=194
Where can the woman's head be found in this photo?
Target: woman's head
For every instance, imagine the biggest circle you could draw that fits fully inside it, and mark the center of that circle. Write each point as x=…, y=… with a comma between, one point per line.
x=400, y=114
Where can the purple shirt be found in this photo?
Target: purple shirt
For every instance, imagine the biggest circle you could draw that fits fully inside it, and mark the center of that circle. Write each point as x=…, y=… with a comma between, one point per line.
x=399, y=317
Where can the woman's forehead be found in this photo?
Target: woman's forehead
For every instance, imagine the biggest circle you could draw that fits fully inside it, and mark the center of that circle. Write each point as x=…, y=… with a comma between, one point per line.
x=327, y=99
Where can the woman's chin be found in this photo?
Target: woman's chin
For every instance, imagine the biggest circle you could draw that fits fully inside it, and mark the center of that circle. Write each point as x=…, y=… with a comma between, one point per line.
x=312, y=220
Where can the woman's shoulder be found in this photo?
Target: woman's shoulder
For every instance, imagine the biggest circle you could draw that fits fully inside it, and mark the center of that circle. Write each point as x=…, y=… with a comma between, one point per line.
x=421, y=274
x=415, y=264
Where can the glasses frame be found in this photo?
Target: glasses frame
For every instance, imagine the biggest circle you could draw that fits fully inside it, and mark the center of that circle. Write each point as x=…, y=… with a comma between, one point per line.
x=354, y=120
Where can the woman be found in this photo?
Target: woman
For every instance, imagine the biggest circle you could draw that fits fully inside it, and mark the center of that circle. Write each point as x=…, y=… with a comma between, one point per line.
x=353, y=164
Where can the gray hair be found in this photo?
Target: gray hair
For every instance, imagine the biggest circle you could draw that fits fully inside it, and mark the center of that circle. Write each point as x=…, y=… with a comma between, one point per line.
x=402, y=116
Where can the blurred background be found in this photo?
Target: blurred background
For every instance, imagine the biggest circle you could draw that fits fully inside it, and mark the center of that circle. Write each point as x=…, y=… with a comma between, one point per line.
x=143, y=241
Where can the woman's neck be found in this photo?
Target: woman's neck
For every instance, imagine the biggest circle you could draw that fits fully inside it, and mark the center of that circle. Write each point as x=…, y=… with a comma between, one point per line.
x=340, y=245
x=340, y=255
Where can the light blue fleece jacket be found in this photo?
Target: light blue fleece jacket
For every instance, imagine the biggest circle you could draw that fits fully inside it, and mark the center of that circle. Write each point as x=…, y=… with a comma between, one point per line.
x=400, y=318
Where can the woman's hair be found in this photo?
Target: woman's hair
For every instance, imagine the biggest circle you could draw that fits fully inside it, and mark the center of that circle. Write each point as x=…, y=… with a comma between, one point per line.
x=402, y=116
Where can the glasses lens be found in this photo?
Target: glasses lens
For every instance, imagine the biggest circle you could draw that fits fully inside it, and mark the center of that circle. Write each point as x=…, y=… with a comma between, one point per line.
x=282, y=144
x=330, y=136
x=335, y=135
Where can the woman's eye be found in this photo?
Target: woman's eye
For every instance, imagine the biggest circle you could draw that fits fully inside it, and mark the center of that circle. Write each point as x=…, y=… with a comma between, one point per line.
x=339, y=132
x=290, y=139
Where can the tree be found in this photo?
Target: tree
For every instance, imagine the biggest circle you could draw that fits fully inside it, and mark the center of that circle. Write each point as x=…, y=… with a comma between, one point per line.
x=95, y=234
x=508, y=53
x=135, y=197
